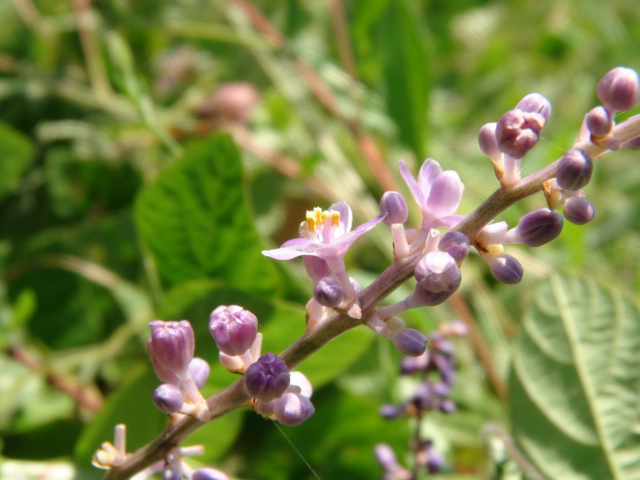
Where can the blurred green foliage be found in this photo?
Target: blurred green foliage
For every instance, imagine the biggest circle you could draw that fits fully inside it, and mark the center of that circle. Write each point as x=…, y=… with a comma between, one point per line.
x=124, y=198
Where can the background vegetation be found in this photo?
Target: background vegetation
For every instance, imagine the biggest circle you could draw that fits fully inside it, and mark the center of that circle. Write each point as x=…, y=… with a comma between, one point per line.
x=123, y=198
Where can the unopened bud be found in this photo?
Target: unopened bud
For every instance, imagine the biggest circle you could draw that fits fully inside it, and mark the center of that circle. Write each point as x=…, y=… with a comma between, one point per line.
x=517, y=132
x=598, y=121
x=209, y=474
x=171, y=346
x=488, y=142
x=506, y=269
x=618, y=89
x=535, y=103
x=233, y=328
x=574, y=169
x=292, y=409
x=395, y=207
x=267, y=378
x=168, y=398
x=539, y=227
x=199, y=370
x=455, y=244
x=438, y=272
x=410, y=341
x=328, y=292
x=578, y=210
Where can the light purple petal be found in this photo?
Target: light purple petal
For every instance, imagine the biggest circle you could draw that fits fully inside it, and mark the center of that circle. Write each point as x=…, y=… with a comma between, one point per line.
x=345, y=241
x=413, y=185
x=290, y=249
x=346, y=217
x=428, y=173
x=445, y=194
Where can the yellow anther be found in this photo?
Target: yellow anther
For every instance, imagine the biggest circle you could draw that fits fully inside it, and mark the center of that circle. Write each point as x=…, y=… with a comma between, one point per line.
x=315, y=218
x=335, y=219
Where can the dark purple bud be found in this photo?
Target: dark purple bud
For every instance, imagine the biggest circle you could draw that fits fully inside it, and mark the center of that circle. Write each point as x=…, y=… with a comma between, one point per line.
x=599, y=121
x=517, y=132
x=395, y=206
x=233, y=328
x=446, y=368
x=444, y=347
x=168, y=398
x=578, y=210
x=455, y=244
x=328, y=292
x=389, y=412
x=574, y=169
x=506, y=269
x=199, y=371
x=411, y=365
x=535, y=103
x=292, y=409
x=171, y=346
x=209, y=474
x=267, y=378
x=539, y=227
x=488, y=142
x=410, y=341
x=424, y=298
x=618, y=89
x=438, y=272
x=433, y=460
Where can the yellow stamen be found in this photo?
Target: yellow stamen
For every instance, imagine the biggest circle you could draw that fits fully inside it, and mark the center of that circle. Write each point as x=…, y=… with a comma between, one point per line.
x=315, y=218
x=335, y=219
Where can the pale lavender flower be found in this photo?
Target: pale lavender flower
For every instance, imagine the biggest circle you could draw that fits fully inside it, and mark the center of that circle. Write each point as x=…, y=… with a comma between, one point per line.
x=437, y=193
x=327, y=235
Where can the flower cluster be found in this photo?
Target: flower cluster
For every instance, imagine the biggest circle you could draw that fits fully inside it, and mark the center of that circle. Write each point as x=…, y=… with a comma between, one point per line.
x=436, y=369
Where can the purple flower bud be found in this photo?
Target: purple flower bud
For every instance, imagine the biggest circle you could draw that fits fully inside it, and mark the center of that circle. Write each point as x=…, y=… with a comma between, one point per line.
x=422, y=297
x=488, y=142
x=389, y=412
x=539, y=227
x=578, y=210
x=209, y=474
x=599, y=121
x=618, y=89
x=455, y=244
x=506, y=269
x=438, y=272
x=517, y=132
x=328, y=292
x=292, y=409
x=633, y=144
x=413, y=364
x=441, y=390
x=387, y=460
x=395, y=207
x=171, y=346
x=168, y=398
x=172, y=472
x=429, y=457
x=447, y=406
x=535, y=103
x=574, y=169
x=267, y=378
x=233, y=328
x=199, y=371
x=410, y=341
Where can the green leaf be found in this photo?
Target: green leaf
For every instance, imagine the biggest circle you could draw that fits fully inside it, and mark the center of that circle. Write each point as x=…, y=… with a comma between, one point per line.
x=15, y=157
x=574, y=392
x=406, y=72
x=196, y=221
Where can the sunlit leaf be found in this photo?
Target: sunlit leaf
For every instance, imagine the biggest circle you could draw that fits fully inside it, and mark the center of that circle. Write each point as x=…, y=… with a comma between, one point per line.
x=575, y=389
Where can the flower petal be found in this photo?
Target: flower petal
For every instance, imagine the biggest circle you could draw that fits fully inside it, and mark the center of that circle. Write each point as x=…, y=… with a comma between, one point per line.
x=445, y=194
x=346, y=217
x=412, y=184
x=429, y=171
x=290, y=249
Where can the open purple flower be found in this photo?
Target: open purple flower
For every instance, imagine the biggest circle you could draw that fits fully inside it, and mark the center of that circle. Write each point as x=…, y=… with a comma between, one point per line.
x=437, y=193
x=327, y=235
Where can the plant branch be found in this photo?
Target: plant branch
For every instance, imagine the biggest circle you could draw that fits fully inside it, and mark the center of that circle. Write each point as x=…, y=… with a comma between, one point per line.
x=234, y=396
